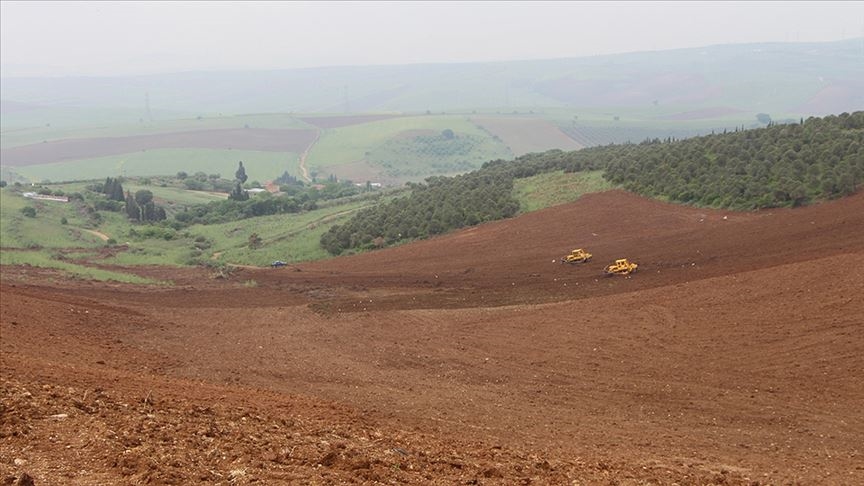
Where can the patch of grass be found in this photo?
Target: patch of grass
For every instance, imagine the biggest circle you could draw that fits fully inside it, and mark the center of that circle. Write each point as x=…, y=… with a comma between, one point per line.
x=368, y=141
x=551, y=189
x=171, y=196
x=415, y=157
x=260, y=166
x=287, y=237
x=290, y=238
x=44, y=230
x=43, y=259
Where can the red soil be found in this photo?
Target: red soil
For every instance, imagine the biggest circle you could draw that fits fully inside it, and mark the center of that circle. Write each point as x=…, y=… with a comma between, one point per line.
x=733, y=356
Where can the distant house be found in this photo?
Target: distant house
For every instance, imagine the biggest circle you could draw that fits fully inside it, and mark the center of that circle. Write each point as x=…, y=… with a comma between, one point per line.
x=256, y=190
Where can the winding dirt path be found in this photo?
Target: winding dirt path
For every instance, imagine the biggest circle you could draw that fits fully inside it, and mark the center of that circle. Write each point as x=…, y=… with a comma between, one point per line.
x=303, y=169
x=100, y=235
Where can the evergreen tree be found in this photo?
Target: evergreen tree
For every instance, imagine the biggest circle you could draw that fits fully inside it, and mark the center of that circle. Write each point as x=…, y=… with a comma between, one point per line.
x=240, y=175
x=113, y=189
x=133, y=212
x=238, y=193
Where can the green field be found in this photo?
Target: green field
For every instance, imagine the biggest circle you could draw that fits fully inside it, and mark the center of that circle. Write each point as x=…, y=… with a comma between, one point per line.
x=174, y=196
x=260, y=166
x=375, y=142
x=69, y=268
x=416, y=157
x=287, y=237
x=553, y=188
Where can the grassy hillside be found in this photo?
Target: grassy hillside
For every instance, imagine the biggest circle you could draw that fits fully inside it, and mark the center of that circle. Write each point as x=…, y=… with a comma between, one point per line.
x=45, y=229
x=71, y=236
x=559, y=187
x=401, y=148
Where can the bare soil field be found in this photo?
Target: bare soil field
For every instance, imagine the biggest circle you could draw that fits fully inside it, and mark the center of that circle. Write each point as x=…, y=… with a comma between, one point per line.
x=526, y=135
x=732, y=356
x=262, y=139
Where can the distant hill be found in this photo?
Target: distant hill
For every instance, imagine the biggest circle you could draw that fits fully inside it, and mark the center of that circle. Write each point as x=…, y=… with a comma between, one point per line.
x=789, y=79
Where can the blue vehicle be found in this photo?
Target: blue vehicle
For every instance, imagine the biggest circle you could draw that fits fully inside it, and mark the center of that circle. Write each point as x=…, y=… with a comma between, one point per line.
x=278, y=263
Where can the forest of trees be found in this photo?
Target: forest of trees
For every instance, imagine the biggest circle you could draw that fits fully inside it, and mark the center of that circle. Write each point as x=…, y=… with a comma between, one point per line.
x=443, y=203
x=234, y=210
x=113, y=189
x=142, y=208
x=295, y=198
x=777, y=166
x=782, y=165
x=139, y=207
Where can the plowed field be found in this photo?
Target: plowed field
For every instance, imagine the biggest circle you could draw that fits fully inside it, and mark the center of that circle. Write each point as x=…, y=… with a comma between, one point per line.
x=734, y=355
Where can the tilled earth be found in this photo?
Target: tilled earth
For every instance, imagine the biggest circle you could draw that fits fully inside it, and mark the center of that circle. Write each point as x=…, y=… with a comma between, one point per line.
x=733, y=356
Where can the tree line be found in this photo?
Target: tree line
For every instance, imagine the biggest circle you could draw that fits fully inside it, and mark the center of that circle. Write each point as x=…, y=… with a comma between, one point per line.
x=443, y=203
x=438, y=206
x=781, y=165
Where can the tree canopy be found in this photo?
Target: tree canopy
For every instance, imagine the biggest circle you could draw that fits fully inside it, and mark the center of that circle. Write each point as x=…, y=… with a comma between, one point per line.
x=240, y=175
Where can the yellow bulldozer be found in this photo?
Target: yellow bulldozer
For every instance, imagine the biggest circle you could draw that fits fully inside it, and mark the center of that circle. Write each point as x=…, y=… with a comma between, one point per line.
x=577, y=256
x=621, y=267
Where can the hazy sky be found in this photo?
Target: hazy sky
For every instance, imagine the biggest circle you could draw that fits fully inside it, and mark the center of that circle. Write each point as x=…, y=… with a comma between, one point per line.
x=115, y=38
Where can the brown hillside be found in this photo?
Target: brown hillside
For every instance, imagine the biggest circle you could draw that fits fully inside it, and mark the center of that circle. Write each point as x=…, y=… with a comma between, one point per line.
x=733, y=356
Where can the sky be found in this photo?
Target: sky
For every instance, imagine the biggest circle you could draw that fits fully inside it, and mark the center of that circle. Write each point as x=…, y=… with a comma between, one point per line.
x=105, y=38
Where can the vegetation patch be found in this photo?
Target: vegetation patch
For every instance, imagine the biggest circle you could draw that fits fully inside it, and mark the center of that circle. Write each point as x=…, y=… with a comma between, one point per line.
x=446, y=152
x=44, y=260
x=383, y=141
x=778, y=166
x=438, y=206
x=47, y=224
x=559, y=187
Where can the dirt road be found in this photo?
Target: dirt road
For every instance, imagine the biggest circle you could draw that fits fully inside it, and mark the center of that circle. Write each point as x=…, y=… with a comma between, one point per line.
x=304, y=170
